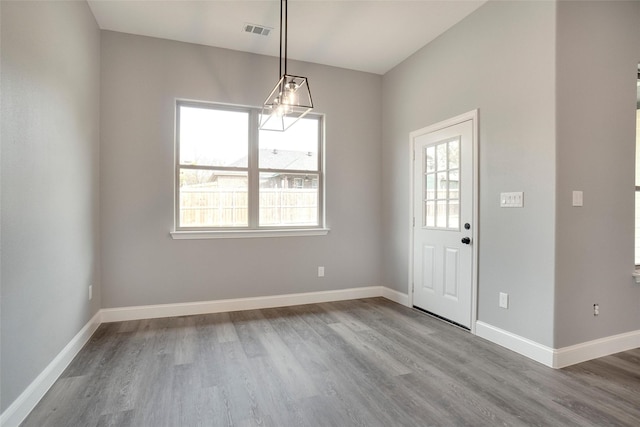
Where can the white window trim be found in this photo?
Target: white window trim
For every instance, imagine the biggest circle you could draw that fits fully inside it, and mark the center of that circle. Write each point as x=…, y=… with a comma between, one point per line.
x=253, y=229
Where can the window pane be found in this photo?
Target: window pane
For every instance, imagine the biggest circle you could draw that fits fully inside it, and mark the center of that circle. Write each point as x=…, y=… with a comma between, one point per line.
x=637, y=229
x=288, y=199
x=454, y=183
x=213, y=198
x=430, y=186
x=430, y=159
x=637, y=222
x=441, y=214
x=442, y=185
x=430, y=214
x=638, y=144
x=454, y=214
x=295, y=149
x=441, y=154
x=211, y=137
x=454, y=154
x=231, y=174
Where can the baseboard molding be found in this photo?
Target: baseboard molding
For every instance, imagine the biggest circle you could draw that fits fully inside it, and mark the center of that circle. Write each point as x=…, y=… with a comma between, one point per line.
x=571, y=355
x=553, y=358
x=237, y=304
x=395, y=296
x=24, y=404
x=29, y=398
x=562, y=357
x=526, y=347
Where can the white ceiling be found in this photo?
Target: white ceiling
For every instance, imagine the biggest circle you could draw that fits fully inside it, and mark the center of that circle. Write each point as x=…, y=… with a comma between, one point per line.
x=372, y=36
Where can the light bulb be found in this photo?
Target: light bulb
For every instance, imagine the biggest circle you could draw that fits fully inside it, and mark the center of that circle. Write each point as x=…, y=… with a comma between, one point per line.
x=277, y=111
x=280, y=110
x=291, y=98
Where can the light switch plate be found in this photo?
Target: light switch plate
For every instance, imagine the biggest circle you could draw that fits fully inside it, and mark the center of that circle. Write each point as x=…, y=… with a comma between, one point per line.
x=504, y=300
x=577, y=198
x=512, y=200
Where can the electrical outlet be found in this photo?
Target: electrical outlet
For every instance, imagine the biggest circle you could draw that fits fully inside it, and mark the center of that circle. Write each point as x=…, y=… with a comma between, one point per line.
x=90, y=292
x=596, y=309
x=320, y=271
x=504, y=300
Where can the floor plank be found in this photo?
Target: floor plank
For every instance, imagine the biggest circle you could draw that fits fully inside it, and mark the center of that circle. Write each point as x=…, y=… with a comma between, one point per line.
x=365, y=362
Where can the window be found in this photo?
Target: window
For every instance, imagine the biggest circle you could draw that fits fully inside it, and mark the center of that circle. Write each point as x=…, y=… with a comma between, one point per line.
x=637, y=216
x=441, y=183
x=232, y=177
x=637, y=222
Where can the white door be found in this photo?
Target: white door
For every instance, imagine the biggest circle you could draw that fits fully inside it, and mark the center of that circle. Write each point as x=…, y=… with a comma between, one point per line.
x=443, y=227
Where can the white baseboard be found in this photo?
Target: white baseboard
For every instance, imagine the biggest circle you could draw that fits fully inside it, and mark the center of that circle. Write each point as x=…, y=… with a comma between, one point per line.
x=395, y=296
x=237, y=304
x=24, y=404
x=526, y=347
x=562, y=357
x=21, y=407
x=589, y=350
x=29, y=398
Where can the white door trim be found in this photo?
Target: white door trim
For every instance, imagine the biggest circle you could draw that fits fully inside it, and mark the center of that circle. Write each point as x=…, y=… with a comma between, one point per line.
x=473, y=116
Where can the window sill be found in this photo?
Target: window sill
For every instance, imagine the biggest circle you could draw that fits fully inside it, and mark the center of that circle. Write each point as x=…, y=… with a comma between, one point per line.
x=636, y=276
x=241, y=234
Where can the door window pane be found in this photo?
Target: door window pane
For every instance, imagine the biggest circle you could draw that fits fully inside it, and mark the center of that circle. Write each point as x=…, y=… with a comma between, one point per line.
x=454, y=214
x=441, y=157
x=454, y=154
x=441, y=214
x=454, y=183
x=430, y=159
x=430, y=184
x=430, y=214
x=441, y=185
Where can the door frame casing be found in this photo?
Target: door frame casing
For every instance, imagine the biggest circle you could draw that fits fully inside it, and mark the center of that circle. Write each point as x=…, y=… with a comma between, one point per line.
x=473, y=116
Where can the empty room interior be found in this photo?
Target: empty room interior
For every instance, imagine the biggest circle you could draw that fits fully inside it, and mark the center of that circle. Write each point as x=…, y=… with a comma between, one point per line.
x=313, y=213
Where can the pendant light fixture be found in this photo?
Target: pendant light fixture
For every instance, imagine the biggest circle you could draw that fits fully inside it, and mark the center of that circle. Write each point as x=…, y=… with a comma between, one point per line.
x=290, y=99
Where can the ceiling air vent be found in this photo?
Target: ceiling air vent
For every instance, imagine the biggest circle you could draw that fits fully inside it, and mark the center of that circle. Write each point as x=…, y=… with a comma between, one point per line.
x=260, y=30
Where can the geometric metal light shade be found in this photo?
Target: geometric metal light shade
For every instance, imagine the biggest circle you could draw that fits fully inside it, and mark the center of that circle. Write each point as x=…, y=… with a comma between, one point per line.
x=288, y=102
x=290, y=99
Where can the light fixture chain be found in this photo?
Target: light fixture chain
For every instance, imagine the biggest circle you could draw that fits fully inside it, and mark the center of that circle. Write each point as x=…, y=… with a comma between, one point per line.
x=286, y=33
x=280, y=57
x=290, y=99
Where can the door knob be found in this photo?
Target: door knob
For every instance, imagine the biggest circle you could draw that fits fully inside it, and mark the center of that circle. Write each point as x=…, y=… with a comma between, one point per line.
x=466, y=240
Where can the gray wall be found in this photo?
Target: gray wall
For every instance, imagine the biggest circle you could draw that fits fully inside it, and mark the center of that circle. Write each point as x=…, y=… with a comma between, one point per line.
x=141, y=78
x=598, y=53
x=50, y=146
x=555, y=85
x=501, y=60
x=507, y=59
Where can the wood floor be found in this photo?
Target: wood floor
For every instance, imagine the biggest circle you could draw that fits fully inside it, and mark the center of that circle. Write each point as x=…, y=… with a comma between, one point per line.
x=367, y=362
